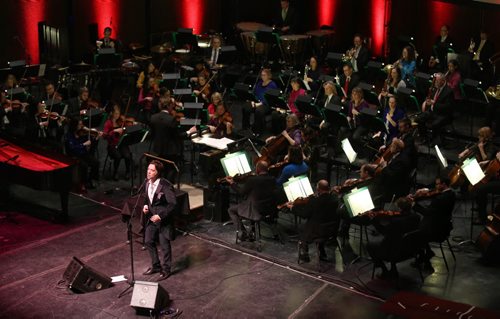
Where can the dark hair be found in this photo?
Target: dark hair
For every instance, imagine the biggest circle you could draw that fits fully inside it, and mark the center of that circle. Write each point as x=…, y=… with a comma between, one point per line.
x=406, y=121
x=73, y=124
x=398, y=71
x=454, y=63
x=295, y=155
x=108, y=29
x=295, y=80
x=158, y=165
x=411, y=52
x=404, y=204
x=369, y=169
x=261, y=166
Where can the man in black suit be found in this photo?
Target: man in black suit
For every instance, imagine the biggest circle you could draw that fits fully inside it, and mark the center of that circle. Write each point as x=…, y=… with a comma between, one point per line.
x=287, y=20
x=260, y=199
x=481, y=54
x=436, y=223
x=405, y=135
x=78, y=103
x=214, y=51
x=348, y=80
x=392, y=229
x=166, y=137
x=394, y=179
x=443, y=43
x=436, y=109
x=322, y=219
x=158, y=210
x=358, y=54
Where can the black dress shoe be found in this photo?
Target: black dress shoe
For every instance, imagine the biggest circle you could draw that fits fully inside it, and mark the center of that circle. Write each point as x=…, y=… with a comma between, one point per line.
x=164, y=275
x=151, y=271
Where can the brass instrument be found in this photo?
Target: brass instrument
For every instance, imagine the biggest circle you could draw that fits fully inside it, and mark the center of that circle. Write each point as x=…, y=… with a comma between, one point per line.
x=494, y=92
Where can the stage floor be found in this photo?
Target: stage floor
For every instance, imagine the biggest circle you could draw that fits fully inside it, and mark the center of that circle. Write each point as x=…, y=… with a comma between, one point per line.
x=213, y=277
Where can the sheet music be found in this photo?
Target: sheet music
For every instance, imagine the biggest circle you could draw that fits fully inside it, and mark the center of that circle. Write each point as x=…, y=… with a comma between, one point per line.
x=359, y=201
x=236, y=163
x=297, y=187
x=218, y=143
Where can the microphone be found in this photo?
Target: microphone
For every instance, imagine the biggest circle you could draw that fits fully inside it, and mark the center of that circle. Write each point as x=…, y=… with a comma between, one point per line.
x=13, y=158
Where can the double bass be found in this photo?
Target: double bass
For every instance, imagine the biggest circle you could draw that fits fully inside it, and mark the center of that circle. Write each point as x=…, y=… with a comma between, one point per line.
x=488, y=241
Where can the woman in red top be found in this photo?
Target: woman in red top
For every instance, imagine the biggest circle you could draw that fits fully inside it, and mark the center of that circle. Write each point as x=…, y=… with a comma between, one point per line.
x=113, y=130
x=278, y=117
x=216, y=100
x=453, y=79
x=296, y=92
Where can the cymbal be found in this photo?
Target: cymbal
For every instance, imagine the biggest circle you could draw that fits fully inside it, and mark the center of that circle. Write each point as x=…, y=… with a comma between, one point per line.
x=135, y=46
x=142, y=57
x=81, y=64
x=162, y=48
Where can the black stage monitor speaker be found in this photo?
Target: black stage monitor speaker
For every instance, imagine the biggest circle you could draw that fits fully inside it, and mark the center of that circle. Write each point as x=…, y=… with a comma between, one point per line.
x=83, y=278
x=148, y=295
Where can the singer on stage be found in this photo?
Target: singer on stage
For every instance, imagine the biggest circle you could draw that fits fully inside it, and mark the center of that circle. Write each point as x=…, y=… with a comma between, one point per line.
x=158, y=212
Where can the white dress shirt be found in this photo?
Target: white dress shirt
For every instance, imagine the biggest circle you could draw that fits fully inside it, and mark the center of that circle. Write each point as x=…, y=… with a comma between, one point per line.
x=152, y=189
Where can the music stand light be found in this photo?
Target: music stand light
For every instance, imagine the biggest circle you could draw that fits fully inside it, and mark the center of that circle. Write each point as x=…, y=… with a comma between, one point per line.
x=358, y=201
x=236, y=163
x=348, y=150
x=297, y=187
x=472, y=171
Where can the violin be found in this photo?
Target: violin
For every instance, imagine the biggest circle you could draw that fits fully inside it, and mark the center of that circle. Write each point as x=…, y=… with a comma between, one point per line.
x=381, y=213
x=422, y=195
x=90, y=104
x=177, y=115
x=124, y=121
x=238, y=178
x=348, y=185
x=297, y=202
x=92, y=132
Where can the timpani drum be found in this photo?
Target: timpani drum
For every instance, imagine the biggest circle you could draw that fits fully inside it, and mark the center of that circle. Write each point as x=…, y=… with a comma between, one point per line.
x=322, y=41
x=249, y=41
x=293, y=47
x=249, y=26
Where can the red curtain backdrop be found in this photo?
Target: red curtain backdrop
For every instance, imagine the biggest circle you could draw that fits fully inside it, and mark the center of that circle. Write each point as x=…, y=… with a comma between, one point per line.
x=326, y=12
x=29, y=13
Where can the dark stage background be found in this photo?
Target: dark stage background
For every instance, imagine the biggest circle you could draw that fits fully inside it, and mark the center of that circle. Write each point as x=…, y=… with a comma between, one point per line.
x=133, y=21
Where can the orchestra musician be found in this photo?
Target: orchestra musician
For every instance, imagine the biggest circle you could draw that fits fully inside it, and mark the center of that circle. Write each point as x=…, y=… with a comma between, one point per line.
x=158, y=209
x=292, y=133
x=260, y=108
x=214, y=50
x=408, y=65
x=278, y=118
x=436, y=223
x=113, y=130
x=312, y=73
x=348, y=80
x=221, y=124
x=484, y=150
x=107, y=42
x=147, y=94
x=166, y=138
x=81, y=145
x=296, y=165
x=481, y=192
x=436, y=109
x=149, y=72
x=216, y=100
x=481, y=54
x=322, y=217
x=51, y=93
x=260, y=200
x=405, y=134
x=287, y=21
x=392, y=84
x=10, y=83
x=202, y=89
x=440, y=49
x=78, y=105
x=453, y=79
x=392, y=115
x=356, y=104
x=392, y=229
x=358, y=54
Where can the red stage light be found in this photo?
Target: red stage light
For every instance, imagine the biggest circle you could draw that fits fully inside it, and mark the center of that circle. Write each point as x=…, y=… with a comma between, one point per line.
x=440, y=13
x=326, y=12
x=32, y=12
x=106, y=14
x=192, y=14
x=378, y=32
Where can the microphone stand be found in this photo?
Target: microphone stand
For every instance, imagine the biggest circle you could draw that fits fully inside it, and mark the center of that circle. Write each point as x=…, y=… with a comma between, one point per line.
x=131, y=282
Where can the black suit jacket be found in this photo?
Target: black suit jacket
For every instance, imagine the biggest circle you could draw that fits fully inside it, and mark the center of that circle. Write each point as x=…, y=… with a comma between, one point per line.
x=436, y=222
x=355, y=79
x=290, y=21
x=165, y=135
x=362, y=59
x=395, y=177
x=260, y=192
x=163, y=205
x=443, y=104
x=322, y=217
x=73, y=107
x=440, y=49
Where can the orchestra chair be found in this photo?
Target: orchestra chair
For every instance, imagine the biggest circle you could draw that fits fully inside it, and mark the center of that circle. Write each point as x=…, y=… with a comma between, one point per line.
x=440, y=239
x=409, y=246
x=270, y=220
x=332, y=238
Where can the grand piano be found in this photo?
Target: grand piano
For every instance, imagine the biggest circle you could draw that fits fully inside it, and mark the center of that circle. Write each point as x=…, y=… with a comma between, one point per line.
x=36, y=168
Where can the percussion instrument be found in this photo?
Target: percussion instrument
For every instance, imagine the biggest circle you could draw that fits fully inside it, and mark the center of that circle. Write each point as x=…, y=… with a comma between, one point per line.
x=129, y=66
x=249, y=26
x=293, y=47
x=322, y=41
x=162, y=48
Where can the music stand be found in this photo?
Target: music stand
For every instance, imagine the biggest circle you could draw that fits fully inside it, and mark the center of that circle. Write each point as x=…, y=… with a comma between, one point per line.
x=236, y=163
x=244, y=92
x=267, y=35
x=476, y=96
x=407, y=100
x=297, y=187
x=227, y=55
x=92, y=118
x=374, y=71
x=305, y=105
x=472, y=171
x=133, y=135
x=335, y=115
x=369, y=95
x=358, y=201
x=441, y=158
x=349, y=150
x=370, y=119
x=107, y=58
x=274, y=99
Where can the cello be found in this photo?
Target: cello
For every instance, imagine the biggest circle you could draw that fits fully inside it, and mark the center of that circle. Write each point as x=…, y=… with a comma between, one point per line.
x=490, y=172
x=488, y=241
